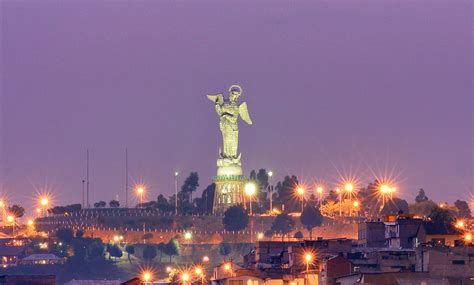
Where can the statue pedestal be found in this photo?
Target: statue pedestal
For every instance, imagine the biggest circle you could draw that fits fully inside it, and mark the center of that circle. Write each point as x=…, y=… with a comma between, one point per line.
x=229, y=192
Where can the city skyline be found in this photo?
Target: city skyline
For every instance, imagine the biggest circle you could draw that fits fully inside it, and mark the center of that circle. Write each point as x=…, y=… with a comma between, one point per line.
x=344, y=95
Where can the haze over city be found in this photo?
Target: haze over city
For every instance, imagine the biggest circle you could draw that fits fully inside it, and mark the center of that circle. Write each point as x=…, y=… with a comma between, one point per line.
x=333, y=86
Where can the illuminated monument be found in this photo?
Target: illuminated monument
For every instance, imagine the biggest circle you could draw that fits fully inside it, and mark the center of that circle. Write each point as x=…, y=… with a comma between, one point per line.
x=229, y=180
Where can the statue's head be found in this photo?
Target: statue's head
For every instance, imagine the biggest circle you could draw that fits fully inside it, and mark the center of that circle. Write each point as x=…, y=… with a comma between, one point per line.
x=234, y=92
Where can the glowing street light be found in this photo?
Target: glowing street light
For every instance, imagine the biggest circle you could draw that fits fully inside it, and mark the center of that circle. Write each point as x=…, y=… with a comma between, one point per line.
x=227, y=267
x=205, y=259
x=260, y=236
x=10, y=219
x=349, y=187
x=250, y=190
x=188, y=235
x=460, y=224
x=270, y=190
x=30, y=223
x=146, y=277
x=300, y=191
x=308, y=258
x=319, y=190
x=176, y=173
x=185, y=277
x=140, y=192
x=468, y=238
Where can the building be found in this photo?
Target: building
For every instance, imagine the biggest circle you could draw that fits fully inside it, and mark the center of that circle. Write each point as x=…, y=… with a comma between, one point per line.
x=402, y=232
x=268, y=254
x=42, y=259
x=371, y=234
x=457, y=262
x=383, y=260
x=398, y=278
x=320, y=247
x=12, y=250
x=333, y=267
x=437, y=235
x=28, y=280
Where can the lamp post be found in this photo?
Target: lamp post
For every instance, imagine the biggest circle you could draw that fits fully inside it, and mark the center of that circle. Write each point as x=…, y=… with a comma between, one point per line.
x=146, y=277
x=319, y=190
x=176, y=193
x=349, y=187
x=140, y=192
x=250, y=190
x=300, y=191
x=44, y=202
x=340, y=201
x=185, y=278
x=384, y=190
x=270, y=190
x=308, y=259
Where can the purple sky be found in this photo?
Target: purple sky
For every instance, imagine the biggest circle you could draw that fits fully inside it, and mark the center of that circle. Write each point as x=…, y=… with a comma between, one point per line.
x=348, y=86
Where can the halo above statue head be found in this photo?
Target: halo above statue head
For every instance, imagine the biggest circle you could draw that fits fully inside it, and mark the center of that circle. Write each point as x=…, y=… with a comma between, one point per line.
x=235, y=88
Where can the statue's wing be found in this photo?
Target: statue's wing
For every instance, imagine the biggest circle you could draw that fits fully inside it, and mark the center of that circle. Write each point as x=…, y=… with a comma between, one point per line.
x=244, y=113
x=218, y=99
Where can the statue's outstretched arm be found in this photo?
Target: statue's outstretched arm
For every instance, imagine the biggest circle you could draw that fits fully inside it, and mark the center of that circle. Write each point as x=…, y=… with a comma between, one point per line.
x=218, y=99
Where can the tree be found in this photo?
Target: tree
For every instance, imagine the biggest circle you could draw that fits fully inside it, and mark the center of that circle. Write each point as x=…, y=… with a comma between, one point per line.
x=298, y=235
x=79, y=233
x=463, y=209
x=421, y=197
x=65, y=235
x=146, y=237
x=17, y=210
x=100, y=204
x=224, y=249
x=423, y=208
x=311, y=218
x=442, y=219
x=149, y=252
x=395, y=205
x=235, y=218
x=162, y=249
x=205, y=203
x=285, y=194
x=130, y=249
x=283, y=224
x=163, y=205
x=191, y=183
x=95, y=250
x=114, y=204
x=172, y=248
x=115, y=251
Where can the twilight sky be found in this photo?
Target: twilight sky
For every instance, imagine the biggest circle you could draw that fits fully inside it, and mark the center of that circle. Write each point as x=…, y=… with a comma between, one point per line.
x=355, y=87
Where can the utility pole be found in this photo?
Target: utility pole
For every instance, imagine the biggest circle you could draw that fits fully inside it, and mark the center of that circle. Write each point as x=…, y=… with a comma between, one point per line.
x=83, y=194
x=176, y=193
x=126, y=178
x=87, y=177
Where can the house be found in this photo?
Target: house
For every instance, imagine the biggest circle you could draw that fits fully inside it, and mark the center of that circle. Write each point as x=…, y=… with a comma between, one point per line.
x=371, y=234
x=437, y=235
x=229, y=273
x=11, y=250
x=402, y=231
x=383, y=260
x=394, y=278
x=332, y=268
x=40, y=259
x=452, y=262
x=28, y=280
x=271, y=254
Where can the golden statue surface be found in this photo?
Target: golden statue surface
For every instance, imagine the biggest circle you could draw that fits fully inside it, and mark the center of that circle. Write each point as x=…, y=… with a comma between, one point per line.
x=228, y=110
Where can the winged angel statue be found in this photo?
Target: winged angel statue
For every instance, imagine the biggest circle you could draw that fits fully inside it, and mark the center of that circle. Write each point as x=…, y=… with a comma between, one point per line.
x=228, y=112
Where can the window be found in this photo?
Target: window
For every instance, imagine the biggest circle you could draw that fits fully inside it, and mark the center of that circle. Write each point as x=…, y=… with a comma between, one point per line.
x=236, y=282
x=458, y=262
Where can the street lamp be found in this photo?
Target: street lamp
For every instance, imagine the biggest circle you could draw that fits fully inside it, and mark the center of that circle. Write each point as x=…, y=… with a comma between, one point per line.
x=340, y=201
x=260, y=236
x=384, y=190
x=185, y=277
x=300, y=191
x=349, y=187
x=250, y=190
x=460, y=224
x=270, y=189
x=308, y=257
x=146, y=277
x=188, y=236
x=468, y=238
x=319, y=190
x=140, y=192
x=205, y=259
